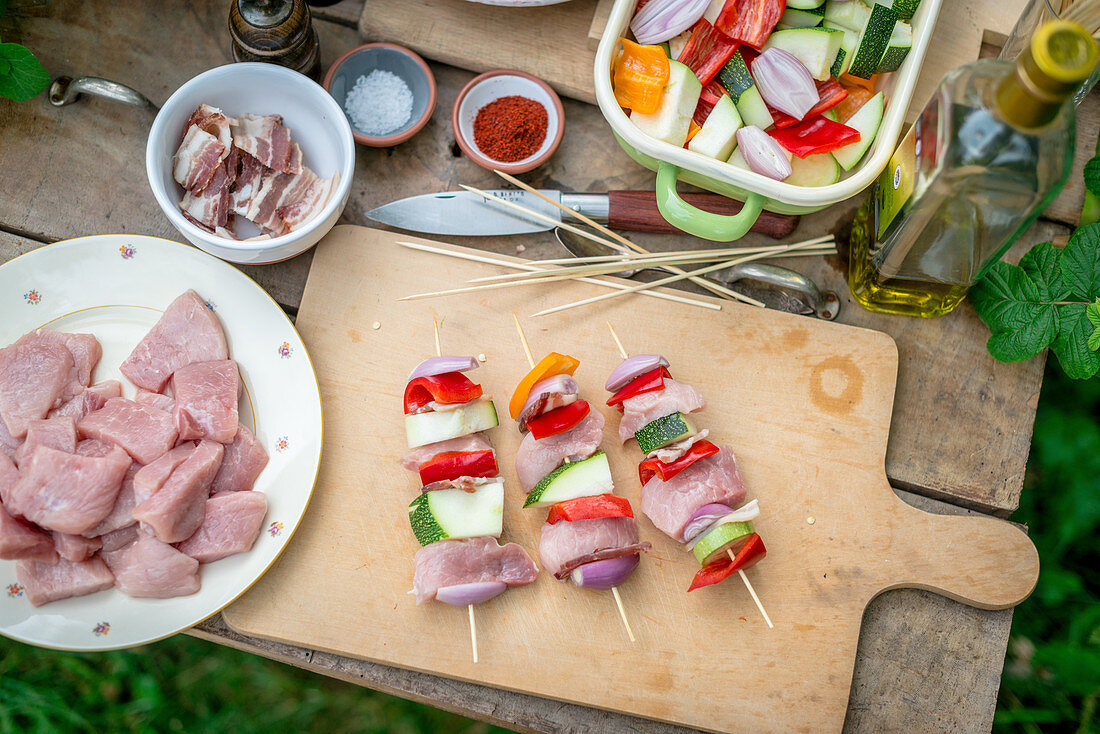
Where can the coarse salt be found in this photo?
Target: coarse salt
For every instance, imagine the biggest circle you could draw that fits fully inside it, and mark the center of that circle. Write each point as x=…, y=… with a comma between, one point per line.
x=380, y=103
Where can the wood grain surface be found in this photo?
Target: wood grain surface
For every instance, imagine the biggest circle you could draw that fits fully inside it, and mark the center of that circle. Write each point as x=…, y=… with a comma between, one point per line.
x=806, y=405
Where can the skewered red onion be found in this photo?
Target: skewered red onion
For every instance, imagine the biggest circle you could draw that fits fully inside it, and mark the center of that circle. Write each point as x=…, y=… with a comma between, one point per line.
x=762, y=153
x=631, y=367
x=441, y=365
x=603, y=575
x=703, y=518
x=461, y=595
x=560, y=384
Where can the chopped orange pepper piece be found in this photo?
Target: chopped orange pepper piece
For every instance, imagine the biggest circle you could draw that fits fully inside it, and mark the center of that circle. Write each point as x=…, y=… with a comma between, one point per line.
x=850, y=81
x=693, y=130
x=550, y=365
x=640, y=76
x=857, y=97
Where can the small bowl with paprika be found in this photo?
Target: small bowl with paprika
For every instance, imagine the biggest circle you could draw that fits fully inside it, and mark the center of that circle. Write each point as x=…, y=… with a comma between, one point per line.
x=508, y=121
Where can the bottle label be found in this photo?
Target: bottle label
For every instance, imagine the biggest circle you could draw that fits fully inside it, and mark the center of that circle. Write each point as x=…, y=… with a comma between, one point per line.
x=896, y=182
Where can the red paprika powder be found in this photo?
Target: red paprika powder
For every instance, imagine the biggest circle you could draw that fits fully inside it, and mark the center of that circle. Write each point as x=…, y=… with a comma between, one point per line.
x=510, y=128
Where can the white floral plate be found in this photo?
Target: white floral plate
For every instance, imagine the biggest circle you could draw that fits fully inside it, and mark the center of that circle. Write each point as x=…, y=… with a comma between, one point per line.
x=116, y=286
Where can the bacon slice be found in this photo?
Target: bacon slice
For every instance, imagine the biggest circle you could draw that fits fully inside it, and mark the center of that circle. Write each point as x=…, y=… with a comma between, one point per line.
x=311, y=203
x=276, y=190
x=198, y=158
x=214, y=121
x=266, y=138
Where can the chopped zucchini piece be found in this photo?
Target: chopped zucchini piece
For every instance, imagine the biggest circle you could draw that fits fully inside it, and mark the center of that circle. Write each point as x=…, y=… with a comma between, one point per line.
x=663, y=431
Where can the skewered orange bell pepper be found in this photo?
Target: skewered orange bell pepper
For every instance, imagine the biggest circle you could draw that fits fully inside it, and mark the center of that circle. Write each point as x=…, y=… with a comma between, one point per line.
x=550, y=365
x=640, y=76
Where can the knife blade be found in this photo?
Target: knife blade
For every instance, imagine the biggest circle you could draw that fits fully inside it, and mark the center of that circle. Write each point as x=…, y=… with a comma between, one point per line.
x=466, y=213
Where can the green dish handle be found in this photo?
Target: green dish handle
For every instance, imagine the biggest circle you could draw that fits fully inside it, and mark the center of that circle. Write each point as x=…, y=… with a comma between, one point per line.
x=682, y=215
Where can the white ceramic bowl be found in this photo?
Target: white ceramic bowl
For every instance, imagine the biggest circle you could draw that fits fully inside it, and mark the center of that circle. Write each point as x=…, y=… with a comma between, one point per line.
x=316, y=122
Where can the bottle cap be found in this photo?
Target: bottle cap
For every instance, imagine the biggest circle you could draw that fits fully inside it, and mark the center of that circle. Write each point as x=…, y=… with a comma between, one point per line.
x=1061, y=55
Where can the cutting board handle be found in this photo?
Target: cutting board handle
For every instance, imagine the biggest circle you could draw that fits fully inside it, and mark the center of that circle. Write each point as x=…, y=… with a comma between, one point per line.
x=980, y=561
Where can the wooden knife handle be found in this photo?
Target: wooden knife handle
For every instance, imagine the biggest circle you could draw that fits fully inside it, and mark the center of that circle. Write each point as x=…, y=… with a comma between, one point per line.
x=636, y=211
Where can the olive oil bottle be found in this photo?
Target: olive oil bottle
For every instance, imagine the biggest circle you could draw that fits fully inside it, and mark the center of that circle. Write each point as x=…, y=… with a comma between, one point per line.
x=989, y=152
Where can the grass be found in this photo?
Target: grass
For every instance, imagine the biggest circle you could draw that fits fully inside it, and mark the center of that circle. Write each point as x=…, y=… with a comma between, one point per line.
x=1051, y=681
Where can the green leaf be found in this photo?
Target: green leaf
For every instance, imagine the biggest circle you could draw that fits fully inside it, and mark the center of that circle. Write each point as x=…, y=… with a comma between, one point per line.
x=1092, y=175
x=1042, y=264
x=1072, y=343
x=25, y=78
x=1008, y=300
x=3, y=7
x=1092, y=313
x=1080, y=263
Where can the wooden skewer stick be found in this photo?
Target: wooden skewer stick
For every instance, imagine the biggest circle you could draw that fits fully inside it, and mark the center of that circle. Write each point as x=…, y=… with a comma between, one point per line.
x=708, y=284
x=470, y=607
x=523, y=266
x=614, y=589
x=744, y=578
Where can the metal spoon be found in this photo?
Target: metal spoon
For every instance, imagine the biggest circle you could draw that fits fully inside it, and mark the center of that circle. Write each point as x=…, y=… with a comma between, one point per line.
x=65, y=90
x=786, y=289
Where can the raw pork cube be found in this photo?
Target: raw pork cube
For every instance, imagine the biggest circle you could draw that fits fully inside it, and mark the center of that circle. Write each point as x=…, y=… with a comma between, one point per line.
x=244, y=459
x=68, y=493
x=144, y=432
x=151, y=477
x=187, y=332
x=57, y=433
x=76, y=548
x=206, y=400
x=9, y=475
x=95, y=447
x=176, y=511
x=156, y=400
x=120, y=538
x=45, y=583
x=231, y=526
x=84, y=348
x=89, y=400
x=36, y=375
x=20, y=540
x=8, y=445
x=154, y=570
x=120, y=516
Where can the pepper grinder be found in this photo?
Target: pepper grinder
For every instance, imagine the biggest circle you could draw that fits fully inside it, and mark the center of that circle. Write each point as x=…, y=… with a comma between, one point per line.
x=275, y=31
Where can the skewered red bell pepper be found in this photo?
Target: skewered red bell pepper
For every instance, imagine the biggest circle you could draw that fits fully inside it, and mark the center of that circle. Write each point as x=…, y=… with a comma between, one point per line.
x=830, y=94
x=655, y=467
x=707, y=51
x=558, y=420
x=590, y=508
x=449, y=387
x=815, y=135
x=648, y=382
x=750, y=21
x=707, y=99
x=455, y=464
x=751, y=553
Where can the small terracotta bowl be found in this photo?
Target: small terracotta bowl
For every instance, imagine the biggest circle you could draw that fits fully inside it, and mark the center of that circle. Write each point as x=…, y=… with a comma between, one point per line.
x=360, y=61
x=493, y=85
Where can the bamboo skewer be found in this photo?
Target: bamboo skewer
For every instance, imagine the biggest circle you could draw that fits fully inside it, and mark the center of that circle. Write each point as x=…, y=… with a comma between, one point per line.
x=709, y=285
x=748, y=584
x=470, y=607
x=653, y=284
x=522, y=266
x=614, y=589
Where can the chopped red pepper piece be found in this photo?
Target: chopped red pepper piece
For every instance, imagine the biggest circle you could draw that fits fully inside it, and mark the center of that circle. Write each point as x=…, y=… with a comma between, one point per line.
x=455, y=464
x=709, y=97
x=648, y=382
x=449, y=387
x=751, y=553
x=707, y=51
x=815, y=135
x=830, y=93
x=654, y=467
x=558, y=420
x=750, y=21
x=590, y=508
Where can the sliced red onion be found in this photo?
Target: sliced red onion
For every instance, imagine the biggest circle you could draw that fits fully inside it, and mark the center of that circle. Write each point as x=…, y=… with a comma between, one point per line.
x=784, y=82
x=603, y=575
x=703, y=518
x=745, y=513
x=632, y=367
x=558, y=384
x=461, y=595
x=440, y=365
x=762, y=153
x=660, y=20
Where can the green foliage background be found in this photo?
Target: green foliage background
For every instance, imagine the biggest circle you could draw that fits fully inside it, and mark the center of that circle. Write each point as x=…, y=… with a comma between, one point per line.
x=1051, y=681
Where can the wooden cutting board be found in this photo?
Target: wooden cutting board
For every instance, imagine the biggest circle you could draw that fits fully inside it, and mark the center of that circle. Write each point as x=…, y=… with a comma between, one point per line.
x=806, y=406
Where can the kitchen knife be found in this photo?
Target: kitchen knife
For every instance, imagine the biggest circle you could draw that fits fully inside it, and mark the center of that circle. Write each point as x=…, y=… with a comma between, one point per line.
x=466, y=213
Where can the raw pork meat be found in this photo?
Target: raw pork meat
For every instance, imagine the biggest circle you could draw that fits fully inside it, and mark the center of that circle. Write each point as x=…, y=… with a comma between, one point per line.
x=8, y=445
x=151, y=477
x=151, y=569
x=76, y=548
x=68, y=493
x=120, y=516
x=120, y=538
x=20, y=540
x=649, y=406
x=84, y=348
x=156, y=400
x=187, y=332
x=470, y=442
x=536, y=459
x=36, y=375
x=467, y=561
x=144, y=432
x=309, y=204
x=45, y=583
x=715, y=479
x=89, y=400
x=232, y=524
x=9, y=475
x=242, y=463
x=57, y=433
x=206, y=400
x=566, y=541
x=95, y=447
x=176, y=511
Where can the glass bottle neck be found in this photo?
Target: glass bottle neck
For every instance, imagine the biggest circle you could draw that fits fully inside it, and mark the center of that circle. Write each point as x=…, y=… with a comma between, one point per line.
x=1023, y=104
